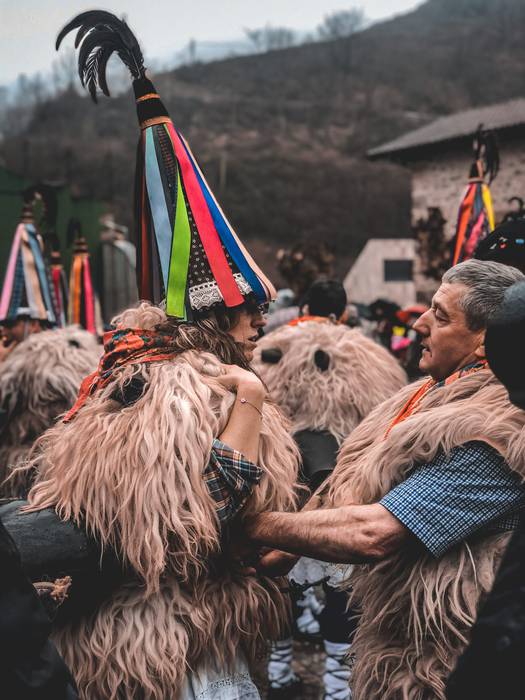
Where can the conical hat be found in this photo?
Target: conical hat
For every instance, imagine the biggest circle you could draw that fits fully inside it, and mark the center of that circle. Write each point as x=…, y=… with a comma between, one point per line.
x=27, y=291
x=188, y=253
x=82, y=297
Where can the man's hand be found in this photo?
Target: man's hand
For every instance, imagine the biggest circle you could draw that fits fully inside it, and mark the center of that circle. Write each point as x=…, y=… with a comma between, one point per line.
x=243, y=551
x=276, y=563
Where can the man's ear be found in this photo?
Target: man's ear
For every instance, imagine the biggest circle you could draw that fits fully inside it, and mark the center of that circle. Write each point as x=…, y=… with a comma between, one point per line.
x=480, y=350
x=305, y=310
x=343, y=318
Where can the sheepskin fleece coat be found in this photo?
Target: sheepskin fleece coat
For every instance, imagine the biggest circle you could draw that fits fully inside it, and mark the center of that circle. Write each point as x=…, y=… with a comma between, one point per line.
x=134, y=474
x=417, y=610
x=360, y=375
x=39, y=380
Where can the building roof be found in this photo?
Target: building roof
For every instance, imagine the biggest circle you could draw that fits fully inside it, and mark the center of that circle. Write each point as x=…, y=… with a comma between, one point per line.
x=499, y=116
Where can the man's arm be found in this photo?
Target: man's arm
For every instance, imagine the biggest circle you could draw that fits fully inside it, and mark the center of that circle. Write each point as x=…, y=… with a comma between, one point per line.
x=349, y=534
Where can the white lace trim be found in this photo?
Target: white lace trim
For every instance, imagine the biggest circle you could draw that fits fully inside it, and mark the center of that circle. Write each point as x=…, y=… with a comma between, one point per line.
x=312, y=570
x=205, y=295
x=240, y=683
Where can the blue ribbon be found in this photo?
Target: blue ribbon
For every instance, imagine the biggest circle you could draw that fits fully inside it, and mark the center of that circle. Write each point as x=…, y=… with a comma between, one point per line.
x=41, y=271
x=226, y=235
x=158, y=206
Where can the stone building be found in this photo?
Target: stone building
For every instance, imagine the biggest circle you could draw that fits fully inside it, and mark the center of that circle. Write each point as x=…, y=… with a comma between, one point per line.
x=439, y=157
x=383, y=270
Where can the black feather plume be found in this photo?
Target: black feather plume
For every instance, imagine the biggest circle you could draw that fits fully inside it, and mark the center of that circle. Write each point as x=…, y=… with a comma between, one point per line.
x=486, y=152
x=100, y=34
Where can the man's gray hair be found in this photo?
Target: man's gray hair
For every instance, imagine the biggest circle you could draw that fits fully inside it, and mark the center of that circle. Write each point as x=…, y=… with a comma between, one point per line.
x=486, y=282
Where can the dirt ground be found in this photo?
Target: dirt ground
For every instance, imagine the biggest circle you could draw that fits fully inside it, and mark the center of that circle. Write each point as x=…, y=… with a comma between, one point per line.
x=308, y=664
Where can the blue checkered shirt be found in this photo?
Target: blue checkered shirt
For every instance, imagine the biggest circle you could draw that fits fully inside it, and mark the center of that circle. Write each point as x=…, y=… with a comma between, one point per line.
x=469, y=492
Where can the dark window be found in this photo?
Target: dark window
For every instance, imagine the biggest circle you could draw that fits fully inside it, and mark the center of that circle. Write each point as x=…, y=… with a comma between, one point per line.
x=398, y=270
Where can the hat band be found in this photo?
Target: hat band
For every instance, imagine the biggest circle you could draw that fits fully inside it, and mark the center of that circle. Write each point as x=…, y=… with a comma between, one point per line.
x=149, y=96
x=154, y=120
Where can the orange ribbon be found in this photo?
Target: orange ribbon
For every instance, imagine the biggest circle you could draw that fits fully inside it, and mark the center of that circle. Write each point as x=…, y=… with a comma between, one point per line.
x=413, y=402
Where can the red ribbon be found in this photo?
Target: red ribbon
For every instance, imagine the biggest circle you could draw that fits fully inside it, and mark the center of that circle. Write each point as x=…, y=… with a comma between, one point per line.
x=206, y=228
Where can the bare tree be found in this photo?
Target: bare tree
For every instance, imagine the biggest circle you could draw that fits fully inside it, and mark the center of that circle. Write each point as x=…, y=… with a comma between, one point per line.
x=339, y=25
x=256, y=37
x=37, y=87
x=192, y=51
x=339, y=28
x=270, y=38
x=64, y=71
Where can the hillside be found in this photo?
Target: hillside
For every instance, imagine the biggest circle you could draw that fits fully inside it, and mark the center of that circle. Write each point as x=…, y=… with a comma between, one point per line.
x=282, y=135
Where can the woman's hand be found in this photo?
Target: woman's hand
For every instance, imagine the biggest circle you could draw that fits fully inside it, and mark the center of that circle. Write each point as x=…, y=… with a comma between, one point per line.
x=240, y=380
x=276, y=563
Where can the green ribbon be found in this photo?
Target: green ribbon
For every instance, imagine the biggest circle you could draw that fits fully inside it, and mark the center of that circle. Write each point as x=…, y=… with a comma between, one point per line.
x=180, y=257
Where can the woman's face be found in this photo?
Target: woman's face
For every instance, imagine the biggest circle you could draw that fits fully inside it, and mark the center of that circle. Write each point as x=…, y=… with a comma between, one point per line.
x=246, y=331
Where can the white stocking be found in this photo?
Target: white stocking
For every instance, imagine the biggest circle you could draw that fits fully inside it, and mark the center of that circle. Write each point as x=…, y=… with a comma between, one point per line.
x=280, y=671
x=336, y=677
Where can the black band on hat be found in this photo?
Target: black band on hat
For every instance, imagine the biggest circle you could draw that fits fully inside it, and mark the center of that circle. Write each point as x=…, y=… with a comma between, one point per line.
x=150, y=108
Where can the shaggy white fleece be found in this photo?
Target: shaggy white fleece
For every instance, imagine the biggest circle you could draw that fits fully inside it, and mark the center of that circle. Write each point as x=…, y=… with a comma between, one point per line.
x=134, y=475
x=39, y=380
x=417, y=610
x=360, y=375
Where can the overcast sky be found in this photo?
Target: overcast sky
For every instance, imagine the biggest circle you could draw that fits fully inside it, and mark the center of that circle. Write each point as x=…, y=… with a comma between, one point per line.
x=28, y=27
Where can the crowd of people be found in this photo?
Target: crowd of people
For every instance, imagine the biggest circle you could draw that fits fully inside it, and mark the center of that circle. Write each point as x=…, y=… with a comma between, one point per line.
x=174, y=498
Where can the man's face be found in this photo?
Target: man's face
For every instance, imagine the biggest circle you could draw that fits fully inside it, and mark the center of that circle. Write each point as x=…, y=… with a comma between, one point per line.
x=246, y=331
x=448, y=343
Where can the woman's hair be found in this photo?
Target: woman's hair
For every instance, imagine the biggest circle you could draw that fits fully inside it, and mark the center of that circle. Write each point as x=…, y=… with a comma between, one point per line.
x=208, y=333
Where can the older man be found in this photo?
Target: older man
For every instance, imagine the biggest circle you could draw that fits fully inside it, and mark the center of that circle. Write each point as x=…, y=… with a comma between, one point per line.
x=424, y=493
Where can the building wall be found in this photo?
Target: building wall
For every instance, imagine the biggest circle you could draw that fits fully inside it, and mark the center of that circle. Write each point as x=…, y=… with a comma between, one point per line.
x=365, y=282
x=440, y=181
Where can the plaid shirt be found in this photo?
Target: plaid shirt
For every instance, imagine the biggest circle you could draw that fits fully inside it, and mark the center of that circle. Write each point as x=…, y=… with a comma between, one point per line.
x=230, y=479
x=470, y=492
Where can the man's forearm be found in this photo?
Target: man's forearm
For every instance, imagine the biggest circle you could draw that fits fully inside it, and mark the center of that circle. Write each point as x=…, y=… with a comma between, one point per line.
x=350, y=534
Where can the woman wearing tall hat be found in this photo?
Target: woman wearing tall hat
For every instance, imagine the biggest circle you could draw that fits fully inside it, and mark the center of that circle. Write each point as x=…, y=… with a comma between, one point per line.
x=172, y=441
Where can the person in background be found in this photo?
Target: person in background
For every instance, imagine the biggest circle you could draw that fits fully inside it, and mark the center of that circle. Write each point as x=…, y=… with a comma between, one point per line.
x=30, y=667
x=405, y=343
x=27, y=301
x=492, y=666
x=282, y=310
x=39, y=380
x=506, y=244
x=326, y=299
x=383, y=312
x=15, y=331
